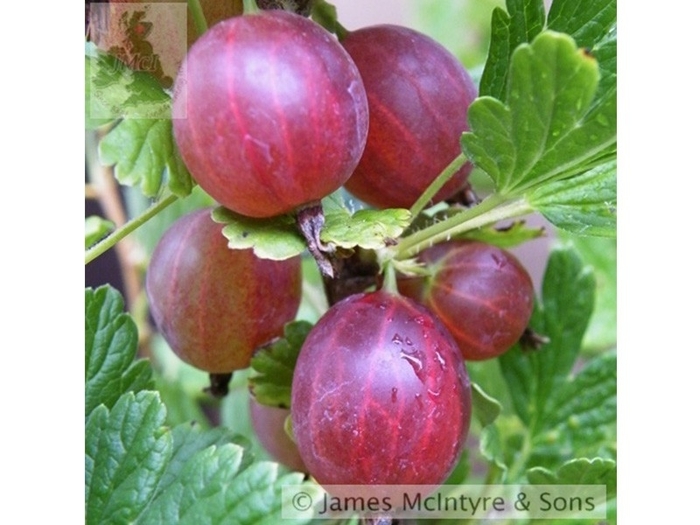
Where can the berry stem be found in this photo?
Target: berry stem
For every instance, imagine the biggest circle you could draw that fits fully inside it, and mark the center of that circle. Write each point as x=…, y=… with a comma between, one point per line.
x=389, y=283
x=250, y=7
x=325, y=15
x=492, y=209
x=218, y=385
x=310, y=220
x=437, y=184
x=117, y=235
x=200, y=22
x=353, y=274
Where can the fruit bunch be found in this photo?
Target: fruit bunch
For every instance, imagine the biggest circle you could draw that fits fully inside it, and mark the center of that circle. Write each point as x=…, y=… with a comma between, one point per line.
x=277, y=113
x=272, y=114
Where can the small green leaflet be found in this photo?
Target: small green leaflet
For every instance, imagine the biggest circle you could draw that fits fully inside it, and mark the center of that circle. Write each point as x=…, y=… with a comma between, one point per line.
x=544, y=131
x=370, y=229
x=276, y=238
x=95, y=229
x=273, y=366
x=110, y=347
x=367, y=228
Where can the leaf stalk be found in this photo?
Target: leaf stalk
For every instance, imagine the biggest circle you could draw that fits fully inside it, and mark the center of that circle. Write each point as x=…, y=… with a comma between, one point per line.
x=117, y=235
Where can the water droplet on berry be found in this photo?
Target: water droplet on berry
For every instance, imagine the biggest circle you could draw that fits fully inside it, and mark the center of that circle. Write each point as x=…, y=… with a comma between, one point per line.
x=435, y=394
x=415, y=359
x=394, y=394
x=440, y=359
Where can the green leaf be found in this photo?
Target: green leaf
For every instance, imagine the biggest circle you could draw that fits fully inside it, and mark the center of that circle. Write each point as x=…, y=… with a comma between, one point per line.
x=523, y=21
x=110, y=348
x=585, y=205
x=274, y=238
x=534, y=377
x=601, y=254
x=545, y=130
x=586, y=404
x=137, y=471
x=113, y=91
x=96, y=228
x=126, y=449
x=606, y=54
x=215, y=486
x=588, y=22
x=495, y=74
x=95, y=105
x=273, y=366
x=493, y=451
x=144, y=154
x=486, y=408
x=370, y=229
x=190, y=440
x=581, y=471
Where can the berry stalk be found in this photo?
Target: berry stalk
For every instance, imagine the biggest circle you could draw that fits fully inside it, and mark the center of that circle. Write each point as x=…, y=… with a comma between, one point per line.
x=200, y=22
x=430, y=192
x=117, y=235
x=491, y=210
x=250, y=7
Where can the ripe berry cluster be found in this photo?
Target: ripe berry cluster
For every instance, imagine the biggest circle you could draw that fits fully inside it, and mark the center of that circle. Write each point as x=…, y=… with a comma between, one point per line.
x=277, y=114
